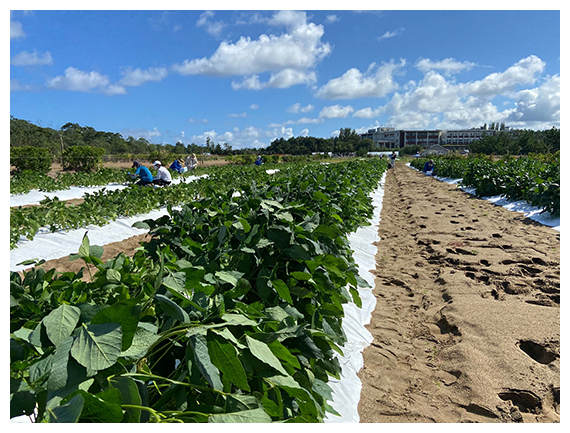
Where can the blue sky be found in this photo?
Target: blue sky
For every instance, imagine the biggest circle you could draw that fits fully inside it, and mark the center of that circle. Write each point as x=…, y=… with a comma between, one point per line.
x=248, y=77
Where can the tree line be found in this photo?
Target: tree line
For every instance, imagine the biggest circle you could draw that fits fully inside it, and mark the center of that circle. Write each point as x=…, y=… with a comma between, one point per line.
x=348, y=142
x=518, y=142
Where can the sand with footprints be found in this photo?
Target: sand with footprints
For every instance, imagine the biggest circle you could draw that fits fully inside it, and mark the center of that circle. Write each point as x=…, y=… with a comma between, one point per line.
x=467, y=322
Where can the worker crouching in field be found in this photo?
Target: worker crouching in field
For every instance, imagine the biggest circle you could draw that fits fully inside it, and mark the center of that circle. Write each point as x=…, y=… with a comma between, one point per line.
x=144, y=173
x=163, y=177
x=429, y=168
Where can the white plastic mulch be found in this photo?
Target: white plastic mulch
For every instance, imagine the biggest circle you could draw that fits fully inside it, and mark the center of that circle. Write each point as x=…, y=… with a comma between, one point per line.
x=346, y=391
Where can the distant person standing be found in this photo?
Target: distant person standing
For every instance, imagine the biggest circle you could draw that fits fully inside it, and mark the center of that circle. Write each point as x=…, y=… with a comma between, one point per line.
x=163, y=177
x=258, y=161
x=144, y=173
x=393, y=159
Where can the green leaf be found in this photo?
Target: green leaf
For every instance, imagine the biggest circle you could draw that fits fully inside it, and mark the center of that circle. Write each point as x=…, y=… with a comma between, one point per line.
x=86, y=250
x=356, y=297
x=113, y=276
x=143, y=339
x=125, y=313
x=284, y=354
x=97, y=347
x=281, y=238
x=301, y=276
x=262, y=352
x=282, y=290
x=224, y=356
x=68, y=412
x=59, y=374
x=204, y=363
x=171, y=308
x=61, y=322
x=103, y=408
x=295, y=390
x=246, y=416
x=243, y=286
x=238, y=320
x=230, y=277
x=176, y=284
x=129, y=395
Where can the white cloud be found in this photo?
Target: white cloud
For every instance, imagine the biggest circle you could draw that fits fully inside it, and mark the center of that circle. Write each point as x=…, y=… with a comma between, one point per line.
x=331, y=19
x=376, y=82
x=449, y=66
x=438, y=102
x=369, y=113
x=521, y=73
x=288, y=56
x=304, y=133
x=76, y=80
x=17, y=86
x=193, y=120
x=243, y=138
x=303, y=120
x=389, y=34
x=538, y=107
x=411, y=120
x=281, y=80
x=297, y=108
x=254, y=107
x=289, y=19
x=32, y=59
x=213, y=28
x=136, y=77
x=79, y=81
x=16, y=30
x=147, y=134
x=244, y=114
x=335, y=112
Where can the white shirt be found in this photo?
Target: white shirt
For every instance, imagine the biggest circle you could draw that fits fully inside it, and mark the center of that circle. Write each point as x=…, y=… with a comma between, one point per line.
x=163, y=174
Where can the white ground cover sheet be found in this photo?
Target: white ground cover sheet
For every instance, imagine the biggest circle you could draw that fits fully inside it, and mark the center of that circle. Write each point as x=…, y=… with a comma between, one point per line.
x=532, y=212
x=35, y=196
x=346, y=391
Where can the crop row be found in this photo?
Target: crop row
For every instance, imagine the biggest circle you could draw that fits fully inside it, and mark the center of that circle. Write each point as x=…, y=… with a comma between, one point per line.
x=101, y=207
x=25, y=181
x=231, y=313
x=531, y=179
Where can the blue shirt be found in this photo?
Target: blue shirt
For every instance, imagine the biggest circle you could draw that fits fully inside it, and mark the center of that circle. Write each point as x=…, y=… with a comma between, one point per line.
x=144, y=173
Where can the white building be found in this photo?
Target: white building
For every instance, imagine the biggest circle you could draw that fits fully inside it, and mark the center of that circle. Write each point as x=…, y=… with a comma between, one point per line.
x=464, y=136
x=384, y=137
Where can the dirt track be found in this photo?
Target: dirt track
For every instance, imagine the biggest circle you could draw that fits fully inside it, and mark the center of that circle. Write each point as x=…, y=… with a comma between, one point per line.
x=467, y=322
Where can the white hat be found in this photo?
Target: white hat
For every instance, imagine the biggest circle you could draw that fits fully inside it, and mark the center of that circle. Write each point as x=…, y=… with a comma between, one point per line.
x=156, y=163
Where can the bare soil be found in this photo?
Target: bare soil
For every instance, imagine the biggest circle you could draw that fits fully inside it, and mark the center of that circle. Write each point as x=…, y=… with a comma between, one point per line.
x=467, y=322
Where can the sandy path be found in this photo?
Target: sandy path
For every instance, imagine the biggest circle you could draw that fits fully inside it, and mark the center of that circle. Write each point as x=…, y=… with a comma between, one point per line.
x=467, y=322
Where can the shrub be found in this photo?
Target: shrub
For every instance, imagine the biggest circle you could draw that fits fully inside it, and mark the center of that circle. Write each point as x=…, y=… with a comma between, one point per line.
x=82, y=158
x=32, y=158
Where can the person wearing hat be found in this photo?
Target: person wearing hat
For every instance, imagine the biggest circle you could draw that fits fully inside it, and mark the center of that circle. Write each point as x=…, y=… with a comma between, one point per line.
x=191, y=161
x=163, y=176
x=144, y=173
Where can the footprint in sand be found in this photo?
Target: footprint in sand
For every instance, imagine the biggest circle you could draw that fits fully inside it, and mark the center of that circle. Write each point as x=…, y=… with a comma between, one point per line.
x=536, y=351
x=526, y=401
